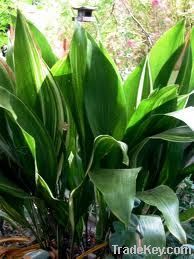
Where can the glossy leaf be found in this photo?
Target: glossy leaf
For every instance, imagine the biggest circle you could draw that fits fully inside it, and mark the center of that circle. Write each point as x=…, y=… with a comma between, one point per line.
x=180, y=134
x=38, y=91
x=46, y=51
x=184, y=115
x=160, y=63
x=155, y=100
x=27, y=63
x=31, y=124
x=138, y=86
x=131, y=87
x=104, y=95
x=121, y=201
x=103, y=145
x=164, y=54
x=167, y=203
x=76, y=63
x=152, y=230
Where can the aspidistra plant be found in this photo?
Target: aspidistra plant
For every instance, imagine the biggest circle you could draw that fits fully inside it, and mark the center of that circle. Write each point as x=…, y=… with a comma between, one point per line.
x=73, y=126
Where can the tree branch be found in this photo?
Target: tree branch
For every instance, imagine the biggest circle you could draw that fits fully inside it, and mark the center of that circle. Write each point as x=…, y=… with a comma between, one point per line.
x=138, y=24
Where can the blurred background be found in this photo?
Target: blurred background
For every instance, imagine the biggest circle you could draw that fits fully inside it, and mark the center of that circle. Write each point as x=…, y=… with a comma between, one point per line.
x=127, y=28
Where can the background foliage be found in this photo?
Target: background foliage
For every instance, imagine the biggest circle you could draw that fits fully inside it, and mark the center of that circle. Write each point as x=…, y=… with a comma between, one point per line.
x=117, y=23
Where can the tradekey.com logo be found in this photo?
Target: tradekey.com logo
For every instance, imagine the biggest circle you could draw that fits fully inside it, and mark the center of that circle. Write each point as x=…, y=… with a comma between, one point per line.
x=150, y=250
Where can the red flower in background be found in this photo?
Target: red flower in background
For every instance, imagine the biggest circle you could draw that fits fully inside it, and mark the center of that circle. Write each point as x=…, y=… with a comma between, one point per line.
x=131, y=43
x=155, y=3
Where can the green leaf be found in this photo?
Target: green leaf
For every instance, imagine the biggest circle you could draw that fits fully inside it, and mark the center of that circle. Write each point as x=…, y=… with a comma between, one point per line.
x=184, y=115
x=46, y=51
x=155, y=100
x=7, y=79
x=121, y=236
x=84, y=195
x=156, y=70
x=38, y=91
x=180, y=134
x=11, y=188
x=104, y=95
x=154, y=120
x=131, y=88
x=191, y=83
x=15, y=210
x=187, y=215
x=10, y=56
x=138, y=86
x=5, y=216
x=103, y=145
x=164, y=54
x=46, y=161
x=76, y=63
x=118, y=187
x=172, y=165
x=167, y=203
x=152, y=230
x=28, y=63
x=185, y=67
x=59, y=207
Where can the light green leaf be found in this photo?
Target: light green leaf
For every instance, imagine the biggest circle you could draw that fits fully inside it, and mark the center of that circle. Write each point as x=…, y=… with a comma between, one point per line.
x=155, y=100
x=46, y=50
x=164, y=54
x=118, y=187
x=191, y=83
x=138, y=86
x=167, y=203
x=157, y=69
x=38, y=91
x=152, y=230
x=131, y=88
x=184, y=115
x=28, y=63
x=180, y=134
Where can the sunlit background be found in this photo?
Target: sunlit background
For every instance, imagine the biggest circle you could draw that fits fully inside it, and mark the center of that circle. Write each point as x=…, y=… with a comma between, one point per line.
x=118, y=23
